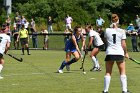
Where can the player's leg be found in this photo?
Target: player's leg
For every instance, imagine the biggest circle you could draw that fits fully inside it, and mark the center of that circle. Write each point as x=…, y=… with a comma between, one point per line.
x=68, y=56
x=64, y=63
x=22, y=45
x=1, y=64
x=107, y=77
x=75, y=59
x=123, y=77
x=26, y=45
x=93, y=54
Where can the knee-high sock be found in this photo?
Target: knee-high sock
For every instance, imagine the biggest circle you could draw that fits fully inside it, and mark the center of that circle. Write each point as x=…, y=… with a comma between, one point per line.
x=28, y=50
x=63, y=65
x=106, y=83
x=123, y=79
x=71, y=61
x=98, y=65
x=95, y=62
x=1, y=66
x=23, y=50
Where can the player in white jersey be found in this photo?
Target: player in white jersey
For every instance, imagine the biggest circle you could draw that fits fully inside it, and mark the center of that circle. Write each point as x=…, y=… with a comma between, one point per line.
x=96, y=41
x=4, y=46
x=115, y=52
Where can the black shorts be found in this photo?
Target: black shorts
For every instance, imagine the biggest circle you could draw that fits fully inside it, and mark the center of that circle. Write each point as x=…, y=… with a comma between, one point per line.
x=117, y=58
x=100, y=47
x=15, y=37
x=1, y=55
x=23, y=41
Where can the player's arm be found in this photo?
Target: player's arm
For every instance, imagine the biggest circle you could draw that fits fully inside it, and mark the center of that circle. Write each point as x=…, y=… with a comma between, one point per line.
x=83, y=42
x=90, y=42
x=7, y=47
x=124, y=46
x=75, y=43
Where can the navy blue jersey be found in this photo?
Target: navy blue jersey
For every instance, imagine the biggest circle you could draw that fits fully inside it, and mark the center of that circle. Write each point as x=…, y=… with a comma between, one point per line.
x=69, y=46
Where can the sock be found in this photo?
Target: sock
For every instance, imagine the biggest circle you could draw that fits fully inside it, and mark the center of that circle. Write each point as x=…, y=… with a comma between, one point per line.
x=28, y=50
x=63, y=65
x=23, y=50
x=97, y=63
x=71, y=61
x=123, y=79
x=1, y=66
x=94, y=61
x=106, y=83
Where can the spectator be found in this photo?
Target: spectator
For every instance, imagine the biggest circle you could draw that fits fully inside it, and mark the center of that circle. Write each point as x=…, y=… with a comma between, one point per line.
x=133, y=33
x=67, y=37
x=26, y=24
x=46, y=39
x=101, y=33
x=139, y=38
x=35, y=39
x=23, y=19
x=137, y=21
x=49, y=23
x=23, y=35
x=68, y=21
x=17, y=21
x=99, y=22
x=8, y=21
x=130, y=28
x=33, y=24
x=15, y=36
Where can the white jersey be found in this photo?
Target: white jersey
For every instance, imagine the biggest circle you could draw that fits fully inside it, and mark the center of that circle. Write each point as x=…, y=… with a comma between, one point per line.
x=3, y=41
x=97, y=39
x=114, y=38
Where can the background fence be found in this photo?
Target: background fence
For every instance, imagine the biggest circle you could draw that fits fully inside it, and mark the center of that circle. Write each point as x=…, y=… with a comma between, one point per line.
x=56, y=41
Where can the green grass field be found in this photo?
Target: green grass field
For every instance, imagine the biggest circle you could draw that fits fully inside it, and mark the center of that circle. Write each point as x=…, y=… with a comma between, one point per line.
x=37, y=74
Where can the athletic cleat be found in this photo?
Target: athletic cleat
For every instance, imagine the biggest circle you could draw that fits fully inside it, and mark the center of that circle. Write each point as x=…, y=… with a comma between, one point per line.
x=1, y=77
x=126, y=92
x=60, y=71
x=29, y=54
x=104, y=92
x=68, y=67
x=99, y=69
x=95, y=69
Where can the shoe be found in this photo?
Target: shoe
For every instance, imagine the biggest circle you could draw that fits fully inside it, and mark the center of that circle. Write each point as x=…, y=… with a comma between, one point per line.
x=104, y=92
x=68, y=67
x=95, y=69
x=126, y=92
x=29, y=54
x=1, y=77
x=99, y=69
x=60, y=71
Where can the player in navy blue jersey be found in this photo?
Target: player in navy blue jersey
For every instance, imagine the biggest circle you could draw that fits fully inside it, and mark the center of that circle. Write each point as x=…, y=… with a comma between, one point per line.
x=72, y=48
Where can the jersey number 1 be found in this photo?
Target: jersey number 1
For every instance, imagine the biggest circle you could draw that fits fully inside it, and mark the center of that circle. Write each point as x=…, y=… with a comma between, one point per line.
x=114, y=38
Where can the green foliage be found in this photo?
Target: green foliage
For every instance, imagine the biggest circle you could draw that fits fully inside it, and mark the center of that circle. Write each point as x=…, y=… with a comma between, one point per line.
x=2, y=16
x=82, y=11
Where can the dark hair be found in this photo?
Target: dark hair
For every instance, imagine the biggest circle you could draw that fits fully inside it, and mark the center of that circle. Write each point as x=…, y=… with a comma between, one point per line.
x=76, y=28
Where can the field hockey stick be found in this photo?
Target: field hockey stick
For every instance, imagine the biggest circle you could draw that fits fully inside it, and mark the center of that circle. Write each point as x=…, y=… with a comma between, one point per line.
x=83, y=60
x=134, y=60
x=18, y=59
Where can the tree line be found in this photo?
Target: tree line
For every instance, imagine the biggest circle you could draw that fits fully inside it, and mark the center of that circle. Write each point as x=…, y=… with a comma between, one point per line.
x=82, y=11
